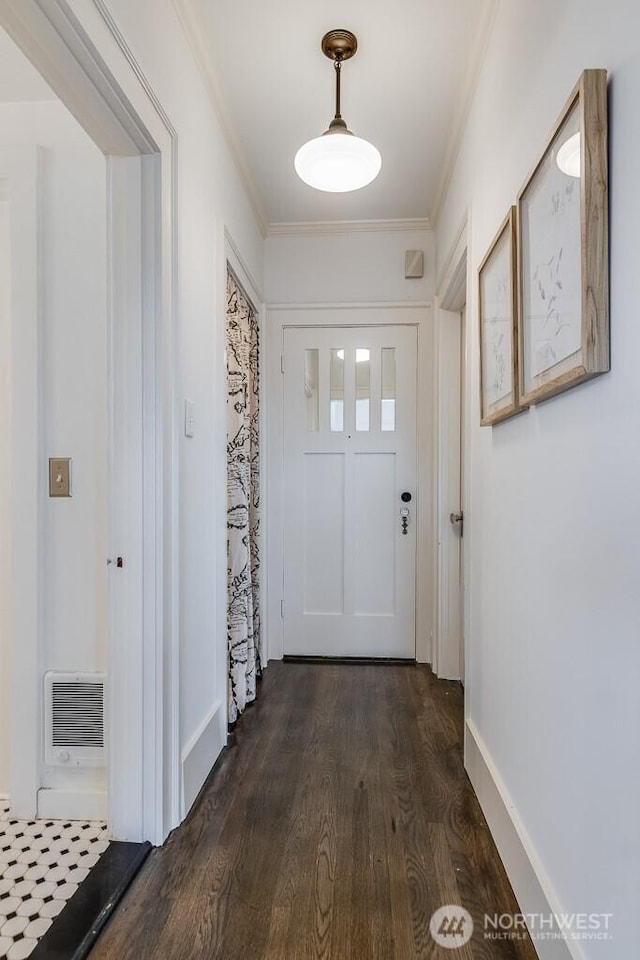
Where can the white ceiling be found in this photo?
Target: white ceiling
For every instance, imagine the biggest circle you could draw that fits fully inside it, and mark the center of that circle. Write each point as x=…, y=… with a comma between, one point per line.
x=19, y=80
x=406, y=90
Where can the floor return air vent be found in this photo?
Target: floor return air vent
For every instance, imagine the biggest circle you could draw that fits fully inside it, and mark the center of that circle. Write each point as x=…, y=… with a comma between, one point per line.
x=74, y=719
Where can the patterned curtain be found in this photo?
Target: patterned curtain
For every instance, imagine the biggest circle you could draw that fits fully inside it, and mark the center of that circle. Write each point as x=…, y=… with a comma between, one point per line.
x=243, y=499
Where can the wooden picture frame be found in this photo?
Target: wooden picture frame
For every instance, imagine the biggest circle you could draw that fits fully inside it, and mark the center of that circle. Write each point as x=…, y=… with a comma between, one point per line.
x=498, y=327
x=562, y=245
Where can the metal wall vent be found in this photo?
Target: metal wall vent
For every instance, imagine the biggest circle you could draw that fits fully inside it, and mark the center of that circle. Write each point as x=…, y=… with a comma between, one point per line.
x=74, y=719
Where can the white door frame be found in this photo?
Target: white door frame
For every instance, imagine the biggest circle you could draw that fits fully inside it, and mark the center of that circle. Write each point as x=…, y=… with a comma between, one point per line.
x=450, y=301
x=80, y=52
x=281, y=316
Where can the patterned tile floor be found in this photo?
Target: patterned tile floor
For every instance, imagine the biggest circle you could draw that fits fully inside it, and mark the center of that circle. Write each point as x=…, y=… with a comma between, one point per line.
x=41, y=864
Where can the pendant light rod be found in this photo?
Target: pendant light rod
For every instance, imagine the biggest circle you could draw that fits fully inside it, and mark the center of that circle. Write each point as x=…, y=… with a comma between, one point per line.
x=338, y=125
x=338, y=66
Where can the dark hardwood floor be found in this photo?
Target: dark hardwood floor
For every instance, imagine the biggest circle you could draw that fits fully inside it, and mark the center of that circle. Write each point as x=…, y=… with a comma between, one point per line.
x=337, y=821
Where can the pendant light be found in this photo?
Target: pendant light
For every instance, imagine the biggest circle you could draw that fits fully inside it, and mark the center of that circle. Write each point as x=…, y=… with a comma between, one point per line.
x=338, y=161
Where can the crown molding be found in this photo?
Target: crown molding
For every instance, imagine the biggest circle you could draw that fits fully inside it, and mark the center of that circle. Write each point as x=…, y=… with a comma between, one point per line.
x=314, y=228
x=476, y=63
x=195, y=30
x=368, y=305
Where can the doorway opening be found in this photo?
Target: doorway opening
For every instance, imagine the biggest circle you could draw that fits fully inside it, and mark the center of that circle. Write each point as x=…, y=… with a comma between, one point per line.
x=449, y=648
x=246, y=654
x=53, y=503
x=54, y=335
x=5, y=542
x=138, y=530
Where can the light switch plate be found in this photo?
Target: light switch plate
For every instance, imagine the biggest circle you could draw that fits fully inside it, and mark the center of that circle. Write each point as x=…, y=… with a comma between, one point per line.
x=189, y=418
x=59, y=477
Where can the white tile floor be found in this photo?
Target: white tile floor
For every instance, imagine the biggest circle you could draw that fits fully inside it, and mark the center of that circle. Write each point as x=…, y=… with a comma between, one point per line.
x=41, y=864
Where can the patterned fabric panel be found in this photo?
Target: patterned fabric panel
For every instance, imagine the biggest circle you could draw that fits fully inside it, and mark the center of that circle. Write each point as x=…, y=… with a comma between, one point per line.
x=243, y=499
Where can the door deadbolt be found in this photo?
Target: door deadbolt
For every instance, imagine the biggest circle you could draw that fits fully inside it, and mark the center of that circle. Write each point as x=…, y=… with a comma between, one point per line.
x=457, y=520
x=405, y=497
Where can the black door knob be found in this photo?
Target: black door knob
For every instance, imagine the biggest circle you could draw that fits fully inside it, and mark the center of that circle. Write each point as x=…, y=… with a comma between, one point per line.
x=405, y=497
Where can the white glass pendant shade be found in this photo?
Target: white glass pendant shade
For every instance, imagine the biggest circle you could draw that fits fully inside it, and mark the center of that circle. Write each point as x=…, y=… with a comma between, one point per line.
x=568, y=156
x=338, y=162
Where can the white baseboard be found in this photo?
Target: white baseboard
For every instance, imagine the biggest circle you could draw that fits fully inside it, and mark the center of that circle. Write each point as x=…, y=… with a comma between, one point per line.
x=531, y=886
x=200, y=754
x=72, y=804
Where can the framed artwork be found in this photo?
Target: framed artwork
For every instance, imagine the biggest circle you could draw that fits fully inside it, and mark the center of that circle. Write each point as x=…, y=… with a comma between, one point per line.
x=563, y=289
x=498, y=327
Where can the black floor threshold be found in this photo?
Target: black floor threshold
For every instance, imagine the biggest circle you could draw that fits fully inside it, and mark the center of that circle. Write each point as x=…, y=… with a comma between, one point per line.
x=385, y=661
x=76, y=929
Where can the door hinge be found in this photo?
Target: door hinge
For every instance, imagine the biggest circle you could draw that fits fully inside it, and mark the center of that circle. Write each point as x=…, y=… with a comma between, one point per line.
x=281, y=363
x=282, y=609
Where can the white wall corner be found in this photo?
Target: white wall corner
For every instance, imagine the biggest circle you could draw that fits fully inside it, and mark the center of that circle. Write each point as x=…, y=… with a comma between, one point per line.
x=526, y=874
x=200, y=754
x=471, y=79
x=194, y=25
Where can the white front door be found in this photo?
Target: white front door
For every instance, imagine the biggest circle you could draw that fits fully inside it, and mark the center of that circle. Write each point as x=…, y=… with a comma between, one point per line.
x=350, y=456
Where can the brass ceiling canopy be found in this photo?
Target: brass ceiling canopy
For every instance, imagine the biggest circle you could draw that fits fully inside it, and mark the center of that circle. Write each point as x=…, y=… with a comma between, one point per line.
x=339, y=44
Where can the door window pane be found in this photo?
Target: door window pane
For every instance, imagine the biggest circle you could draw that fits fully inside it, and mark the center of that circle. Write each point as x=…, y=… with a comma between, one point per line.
x=388, y=412
x=363, y=388
x=311, y=371
x=336, y=390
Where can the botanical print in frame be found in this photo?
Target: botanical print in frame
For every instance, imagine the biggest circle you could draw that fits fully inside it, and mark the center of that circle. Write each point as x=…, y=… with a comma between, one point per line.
x=563, y=321
x=498, y=329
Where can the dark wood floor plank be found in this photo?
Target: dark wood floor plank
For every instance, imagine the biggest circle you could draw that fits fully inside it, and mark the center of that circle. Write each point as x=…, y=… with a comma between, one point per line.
x=400, y=856
x=337, y=821
x=299, y=823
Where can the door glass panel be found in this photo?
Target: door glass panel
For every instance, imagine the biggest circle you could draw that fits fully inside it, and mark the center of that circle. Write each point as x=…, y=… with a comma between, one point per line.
x=336, y=389
x=311, y=370
x=363, y=388
x=388, y=412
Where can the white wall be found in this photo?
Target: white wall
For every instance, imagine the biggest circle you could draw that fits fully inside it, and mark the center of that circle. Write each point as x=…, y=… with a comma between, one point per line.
x=344, y=267
x=553, y=662
x=209, y=194
x=206, y=198
x=5, y=546
x=348, y=278
x=73, y=350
